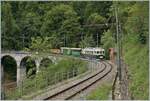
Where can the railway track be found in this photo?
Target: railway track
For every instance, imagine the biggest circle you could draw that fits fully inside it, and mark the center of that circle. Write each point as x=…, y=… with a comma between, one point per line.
x=75, y=89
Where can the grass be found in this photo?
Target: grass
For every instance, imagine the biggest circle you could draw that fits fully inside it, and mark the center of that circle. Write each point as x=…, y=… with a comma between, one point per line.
x=136, y=56
x=28, y=97
x=101, y=93
x=47, y=76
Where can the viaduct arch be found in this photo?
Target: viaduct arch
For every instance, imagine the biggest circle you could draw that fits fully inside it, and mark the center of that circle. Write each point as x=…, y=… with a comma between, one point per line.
x=20, y=58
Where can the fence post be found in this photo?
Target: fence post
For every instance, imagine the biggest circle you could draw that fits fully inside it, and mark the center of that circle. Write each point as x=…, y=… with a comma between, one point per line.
x=55, y=78
x=59, y=78
x=51, y=79
x=63, y=75
x=73, y=72
x=92, y=66
x=77, y=71
x=35, y=83
x=68, y=75
x=47, y=79
x=21, y=88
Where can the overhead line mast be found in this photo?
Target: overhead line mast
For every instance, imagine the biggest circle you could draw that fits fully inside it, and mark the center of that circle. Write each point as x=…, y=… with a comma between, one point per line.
x=98, y=25
x=118, y=48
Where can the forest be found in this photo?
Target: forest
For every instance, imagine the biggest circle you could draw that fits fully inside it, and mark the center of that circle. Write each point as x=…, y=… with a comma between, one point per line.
x=69, y=24
x=40, y=26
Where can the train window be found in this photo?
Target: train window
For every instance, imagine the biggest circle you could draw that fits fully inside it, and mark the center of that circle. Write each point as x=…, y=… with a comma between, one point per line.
x=100, y=52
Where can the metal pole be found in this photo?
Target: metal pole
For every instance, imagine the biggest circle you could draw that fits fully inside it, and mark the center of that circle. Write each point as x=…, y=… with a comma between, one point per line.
x=121, y=40
x=118, y=49
x=64, y=40
x=97, y=39
x=23, y=40
x=118, y=43
x=82, y=36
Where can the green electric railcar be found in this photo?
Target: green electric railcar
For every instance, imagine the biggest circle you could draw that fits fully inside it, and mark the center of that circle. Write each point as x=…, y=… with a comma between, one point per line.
x=71, y=51
x=91, y=53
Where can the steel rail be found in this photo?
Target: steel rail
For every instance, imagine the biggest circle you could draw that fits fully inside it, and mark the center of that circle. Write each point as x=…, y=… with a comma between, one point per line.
x=90, y=84
x=80, y=84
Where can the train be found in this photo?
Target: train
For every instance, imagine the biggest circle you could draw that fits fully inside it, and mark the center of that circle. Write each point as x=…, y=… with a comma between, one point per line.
x=93, y=53
x=97, y=53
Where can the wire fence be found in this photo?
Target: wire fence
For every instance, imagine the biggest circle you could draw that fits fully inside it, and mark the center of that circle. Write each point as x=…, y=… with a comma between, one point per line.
x=29, y=86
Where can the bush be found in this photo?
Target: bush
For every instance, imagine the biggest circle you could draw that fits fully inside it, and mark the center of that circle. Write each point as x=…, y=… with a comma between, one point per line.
x=136, y=56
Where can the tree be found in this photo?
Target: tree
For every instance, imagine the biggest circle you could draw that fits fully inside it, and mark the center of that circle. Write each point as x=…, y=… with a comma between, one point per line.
x=108, y=41
x=97, y=27
x=133, y=18
x=137, y=22
x=40, y=45
x=9, y=28
x=61, y=22
x=87, y=42
x=95, y=18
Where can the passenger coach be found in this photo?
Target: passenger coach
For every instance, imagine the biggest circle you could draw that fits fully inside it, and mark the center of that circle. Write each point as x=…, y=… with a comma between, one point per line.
x=90, y=53
x=97, y=53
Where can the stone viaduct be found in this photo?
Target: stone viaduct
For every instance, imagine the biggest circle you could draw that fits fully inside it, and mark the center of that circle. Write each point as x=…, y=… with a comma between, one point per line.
x=20, y=57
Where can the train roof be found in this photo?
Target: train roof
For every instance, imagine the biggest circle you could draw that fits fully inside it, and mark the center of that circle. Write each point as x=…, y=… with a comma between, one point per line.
x=93, y=48
x=70, y=48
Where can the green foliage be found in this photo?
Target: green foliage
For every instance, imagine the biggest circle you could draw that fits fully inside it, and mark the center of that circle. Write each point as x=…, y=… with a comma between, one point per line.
x=87, y=42
x=95, y=18
x=137, y=60
x=134, y=23
x=49, y=76
x=97, y=21
x=10, y=68
x=30, y=67
x=45, y=63
x=68, y=64
x=137, y=22
x=46, y=25
x=101, y=8
x=30, y=72
x=61, y=22
x=101, y=93
x=9, y=28
x=40, y=45
x=108, y=42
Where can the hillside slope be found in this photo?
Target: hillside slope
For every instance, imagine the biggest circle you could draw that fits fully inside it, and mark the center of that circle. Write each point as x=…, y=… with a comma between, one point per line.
x=136, y=56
